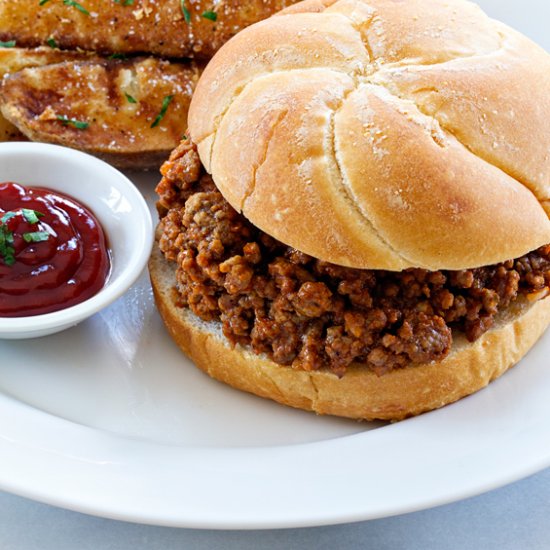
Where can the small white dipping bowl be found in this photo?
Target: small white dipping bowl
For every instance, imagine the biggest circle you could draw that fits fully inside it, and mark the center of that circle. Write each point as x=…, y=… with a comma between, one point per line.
x=111, y=196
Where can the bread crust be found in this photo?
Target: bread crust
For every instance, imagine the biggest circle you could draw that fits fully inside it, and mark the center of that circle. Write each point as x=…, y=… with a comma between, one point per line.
x=395, y=144
x=17, y=59
x=360, y=394
x=97, y=91
x=168, y=28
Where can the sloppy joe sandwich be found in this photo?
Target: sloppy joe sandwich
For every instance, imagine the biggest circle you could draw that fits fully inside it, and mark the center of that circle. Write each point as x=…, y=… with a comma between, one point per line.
x=358, y=221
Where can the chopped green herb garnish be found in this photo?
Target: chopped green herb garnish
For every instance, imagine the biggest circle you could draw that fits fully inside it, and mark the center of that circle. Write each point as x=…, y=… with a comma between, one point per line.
x=7, y=216
x=42, y=2
x=52, y=43
x=212, y=15
x=117, y=56
x=7, y=251
x=185, y=11
x=8, y=44
x=125, y=3
x=36, y=236
x=76, y=5
x=130, y=98
x=72, y=122
x=32, y=216
x=165, y=103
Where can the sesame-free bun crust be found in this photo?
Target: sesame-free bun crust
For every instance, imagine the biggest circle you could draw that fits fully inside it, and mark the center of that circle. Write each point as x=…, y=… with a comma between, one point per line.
x=360, y=394
x=382, y=134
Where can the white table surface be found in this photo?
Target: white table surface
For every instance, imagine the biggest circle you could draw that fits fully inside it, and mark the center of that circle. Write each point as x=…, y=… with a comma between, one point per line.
x=513, y=517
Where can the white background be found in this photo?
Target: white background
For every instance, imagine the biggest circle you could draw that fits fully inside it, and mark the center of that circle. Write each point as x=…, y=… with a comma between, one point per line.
x=509, y=518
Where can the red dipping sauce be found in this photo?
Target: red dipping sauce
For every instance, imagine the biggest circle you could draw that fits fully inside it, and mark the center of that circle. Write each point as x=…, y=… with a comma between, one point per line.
x=54, y=263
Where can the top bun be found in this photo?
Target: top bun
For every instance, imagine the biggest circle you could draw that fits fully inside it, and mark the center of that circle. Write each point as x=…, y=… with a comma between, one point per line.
x=382, y=134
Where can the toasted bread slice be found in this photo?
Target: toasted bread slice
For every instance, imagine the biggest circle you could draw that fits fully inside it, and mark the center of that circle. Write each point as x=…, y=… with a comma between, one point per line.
x=171, y=28
x=16, y=59
x=130, y=112
x=8, y=132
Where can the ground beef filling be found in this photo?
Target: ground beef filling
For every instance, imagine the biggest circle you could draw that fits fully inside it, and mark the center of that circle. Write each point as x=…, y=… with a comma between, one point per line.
x=312, y=314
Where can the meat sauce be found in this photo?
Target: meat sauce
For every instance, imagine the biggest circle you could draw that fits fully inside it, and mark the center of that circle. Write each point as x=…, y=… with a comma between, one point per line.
x=312, y=314
x=53, y=252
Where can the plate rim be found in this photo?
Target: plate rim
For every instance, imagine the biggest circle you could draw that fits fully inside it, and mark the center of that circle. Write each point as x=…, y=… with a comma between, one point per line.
x=27, y=446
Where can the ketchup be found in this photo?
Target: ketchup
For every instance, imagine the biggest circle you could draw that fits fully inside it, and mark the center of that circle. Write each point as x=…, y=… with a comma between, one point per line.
x=53, y=252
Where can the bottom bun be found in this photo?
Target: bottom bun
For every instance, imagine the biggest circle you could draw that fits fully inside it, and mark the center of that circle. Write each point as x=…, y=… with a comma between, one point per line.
x=360, y=393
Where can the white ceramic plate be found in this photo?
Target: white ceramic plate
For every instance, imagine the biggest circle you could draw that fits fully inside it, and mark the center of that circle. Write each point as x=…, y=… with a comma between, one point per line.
x=108, y=418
